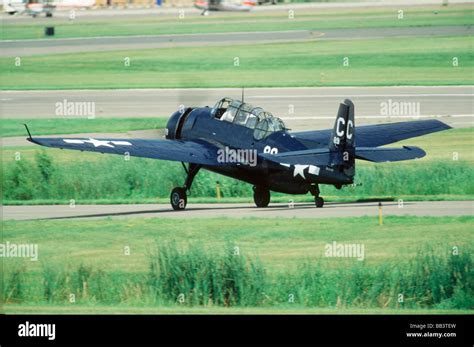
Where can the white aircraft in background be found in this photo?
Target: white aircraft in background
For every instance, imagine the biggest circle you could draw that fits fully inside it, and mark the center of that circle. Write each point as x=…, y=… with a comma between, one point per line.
x=47, y=7
x=225, y=5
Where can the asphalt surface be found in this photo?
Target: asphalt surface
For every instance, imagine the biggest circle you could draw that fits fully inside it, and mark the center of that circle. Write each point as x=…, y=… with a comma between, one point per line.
x=300, y=108
x=307, y=102
x=23, y=48
x=276, y=210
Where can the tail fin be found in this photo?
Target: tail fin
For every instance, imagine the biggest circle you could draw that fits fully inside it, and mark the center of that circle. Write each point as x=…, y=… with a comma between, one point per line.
x=342, y=144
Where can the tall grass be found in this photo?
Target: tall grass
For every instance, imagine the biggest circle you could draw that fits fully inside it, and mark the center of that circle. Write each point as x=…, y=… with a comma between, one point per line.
x=116, y=178
x=195, y=276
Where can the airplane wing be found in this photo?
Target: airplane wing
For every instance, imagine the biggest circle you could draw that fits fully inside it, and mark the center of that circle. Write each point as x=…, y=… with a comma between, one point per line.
x=379, y=155
x=196, y=151
x=380, y=134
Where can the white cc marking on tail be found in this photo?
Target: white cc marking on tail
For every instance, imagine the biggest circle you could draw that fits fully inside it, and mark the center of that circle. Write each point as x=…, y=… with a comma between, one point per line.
x=340, y=121
x=350, y=128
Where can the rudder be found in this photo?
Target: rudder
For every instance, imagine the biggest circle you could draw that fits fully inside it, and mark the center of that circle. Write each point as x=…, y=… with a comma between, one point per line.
x=342, y=144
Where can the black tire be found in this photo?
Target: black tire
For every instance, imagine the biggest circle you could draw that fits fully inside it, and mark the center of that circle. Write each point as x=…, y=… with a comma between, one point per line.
x=178, y=198
x=261, y=196
x=319, y=201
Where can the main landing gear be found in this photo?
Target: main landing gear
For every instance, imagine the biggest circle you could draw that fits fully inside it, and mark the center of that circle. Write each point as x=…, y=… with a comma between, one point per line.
x=319, y=201
x=261, y=196
x=178, y=197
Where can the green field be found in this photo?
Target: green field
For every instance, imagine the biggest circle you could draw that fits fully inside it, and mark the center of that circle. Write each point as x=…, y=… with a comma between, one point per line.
x=375, y=62
x=278, y=243
x=276, y=258
x=51, y=126
x=303, y=20
x=53, y=176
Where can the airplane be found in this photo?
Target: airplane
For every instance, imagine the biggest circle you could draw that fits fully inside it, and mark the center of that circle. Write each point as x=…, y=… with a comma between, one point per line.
x=37, y=7
x=224, y=5
x=247, y=143
x=28, y=7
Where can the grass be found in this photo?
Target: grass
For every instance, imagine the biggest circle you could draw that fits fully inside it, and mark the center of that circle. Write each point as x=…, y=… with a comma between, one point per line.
x=398, y=61
x=278, y=243
x=14, y=126
x=303, y=20
x=54, y=176
x=444, y=145
x=276, y=257
x=137, y=179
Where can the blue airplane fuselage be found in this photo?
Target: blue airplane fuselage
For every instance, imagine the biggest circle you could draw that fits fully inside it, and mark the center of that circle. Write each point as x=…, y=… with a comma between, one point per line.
x=200, y=124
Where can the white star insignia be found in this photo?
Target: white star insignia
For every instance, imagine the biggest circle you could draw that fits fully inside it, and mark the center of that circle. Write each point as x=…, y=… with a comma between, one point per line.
x=98, y=143
x=299, y=170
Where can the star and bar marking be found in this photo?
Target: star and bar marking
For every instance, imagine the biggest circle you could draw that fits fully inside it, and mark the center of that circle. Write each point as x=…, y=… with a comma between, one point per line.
x=98, y=143
x=299, y=169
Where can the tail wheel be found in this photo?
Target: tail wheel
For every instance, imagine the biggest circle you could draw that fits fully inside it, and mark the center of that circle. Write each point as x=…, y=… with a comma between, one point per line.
x=178, y=198
x=261, y=196
x=319, y=201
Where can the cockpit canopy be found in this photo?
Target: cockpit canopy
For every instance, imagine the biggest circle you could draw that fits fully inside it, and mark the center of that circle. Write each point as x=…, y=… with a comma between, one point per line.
x=237, y=112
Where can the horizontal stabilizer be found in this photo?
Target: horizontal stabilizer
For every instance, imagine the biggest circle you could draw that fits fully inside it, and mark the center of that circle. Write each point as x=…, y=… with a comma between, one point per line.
x=378, y=155
x=319, y=156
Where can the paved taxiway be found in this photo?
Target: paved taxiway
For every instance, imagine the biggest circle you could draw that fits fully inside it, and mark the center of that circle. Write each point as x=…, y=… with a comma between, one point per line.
x=22, y=48
x=288, y=103
x=300, y=108
x=282, y=210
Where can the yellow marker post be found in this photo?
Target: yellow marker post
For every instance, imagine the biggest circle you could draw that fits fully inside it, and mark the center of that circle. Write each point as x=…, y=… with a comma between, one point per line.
x=380, y=214
x=218, y=190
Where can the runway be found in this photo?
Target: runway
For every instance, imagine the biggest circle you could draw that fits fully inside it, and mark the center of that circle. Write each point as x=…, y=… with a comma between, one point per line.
x=299, y=107
x=275, y=210
x=12, y=48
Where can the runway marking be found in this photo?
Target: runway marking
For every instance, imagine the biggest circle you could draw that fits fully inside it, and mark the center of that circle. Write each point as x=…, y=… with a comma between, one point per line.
x=456, y=123
x=353, y=95
x=384, y=117
x=174, y=90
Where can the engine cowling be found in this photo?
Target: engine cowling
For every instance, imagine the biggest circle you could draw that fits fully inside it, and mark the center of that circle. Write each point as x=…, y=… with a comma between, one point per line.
x=172, y=125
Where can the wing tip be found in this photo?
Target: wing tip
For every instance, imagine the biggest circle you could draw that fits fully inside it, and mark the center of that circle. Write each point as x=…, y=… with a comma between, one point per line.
x=442, y=125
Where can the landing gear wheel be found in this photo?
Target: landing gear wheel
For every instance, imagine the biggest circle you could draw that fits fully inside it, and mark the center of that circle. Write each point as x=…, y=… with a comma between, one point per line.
x=319, y=201
x=178, y=198
x=261, y=196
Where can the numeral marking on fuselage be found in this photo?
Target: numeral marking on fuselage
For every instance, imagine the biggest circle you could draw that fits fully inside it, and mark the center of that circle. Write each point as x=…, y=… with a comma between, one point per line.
x=271, y=150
